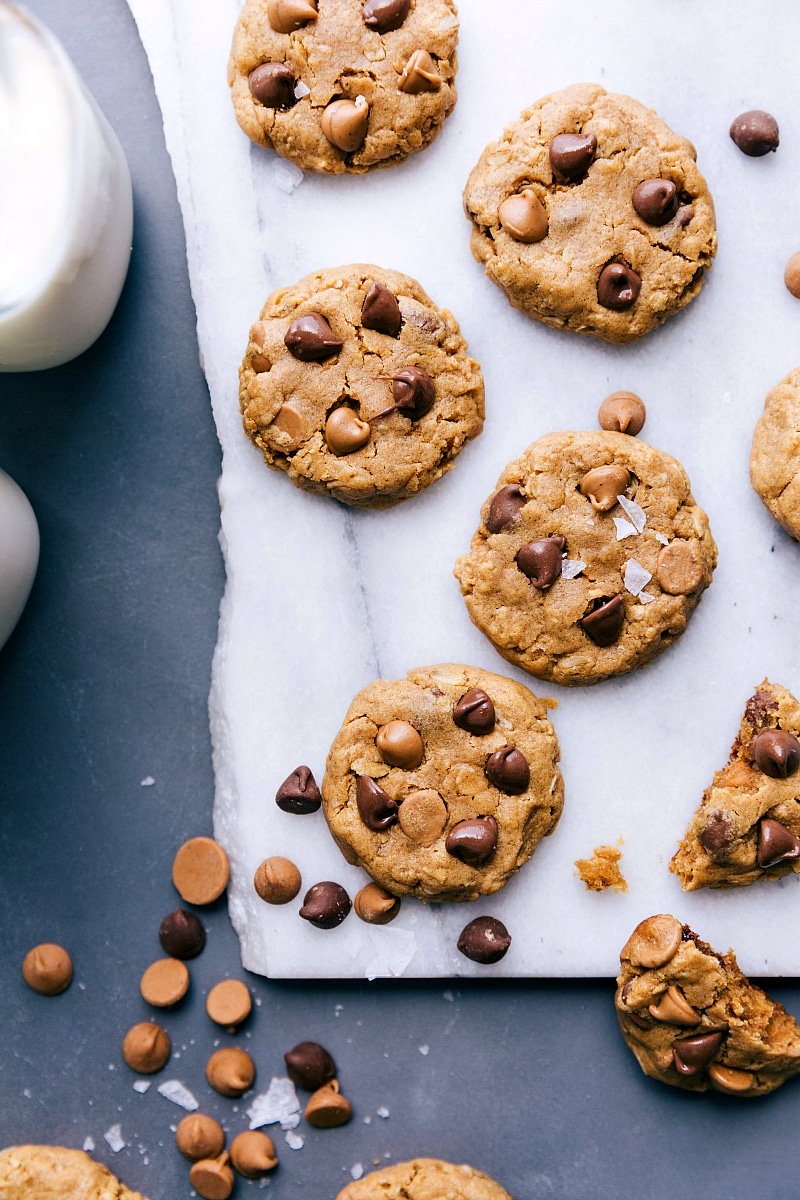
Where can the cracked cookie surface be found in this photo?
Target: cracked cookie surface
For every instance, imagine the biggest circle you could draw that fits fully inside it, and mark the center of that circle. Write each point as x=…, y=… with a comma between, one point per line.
x=584, y=223
x=55, y=1173
x=621, y=581
x=775, y=456
x=287, y=403
x=335, y=56
x=467, y=803
x=693, y=1020
x=425, y=1179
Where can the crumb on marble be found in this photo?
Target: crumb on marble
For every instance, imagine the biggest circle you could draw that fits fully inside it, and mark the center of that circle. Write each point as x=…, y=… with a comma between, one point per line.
x=601, y=871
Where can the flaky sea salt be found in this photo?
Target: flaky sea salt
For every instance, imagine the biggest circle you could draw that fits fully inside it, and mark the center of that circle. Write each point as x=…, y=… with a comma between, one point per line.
x=88, y=1144
x=148, y=781
x=357, y=1171
x=173, y=1089
x=383, y=1112
x=646, y=598
x=571, y=568
x=301, y=89
x=633, y=512
x=660, y=538
x=424, y=1050
x=635, y=577
x=277, y=1104
x=624, y=528
x=295, y=1141
x=141, y=1086
x=393, y=951
x=114, y=1138
x=286, y=175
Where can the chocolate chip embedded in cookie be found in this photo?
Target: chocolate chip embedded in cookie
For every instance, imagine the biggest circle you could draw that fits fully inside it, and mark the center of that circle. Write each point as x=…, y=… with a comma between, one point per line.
x=694, y=1021
x=591, y=215
x=590, y=558
x=425, y=1179
x=358, y=386
x=441, y=785
x=775, y=454
x=55, y=1173
x=343, y=85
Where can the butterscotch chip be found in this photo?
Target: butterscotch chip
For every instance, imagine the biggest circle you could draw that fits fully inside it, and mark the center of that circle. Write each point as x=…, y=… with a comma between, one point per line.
x=200, y=871
x=375, y=905
x=253, y=1154
x=653, y=942
x=327, y=1108
x=47, y=969
x=680, y=568
x=277, y=880
x=229, y=1002
x=212, y=1178
x=146, y=1048
x=165, y=982
x=424, y=1179
x=423, y=816
x=230, y=1071
x=199, y=1136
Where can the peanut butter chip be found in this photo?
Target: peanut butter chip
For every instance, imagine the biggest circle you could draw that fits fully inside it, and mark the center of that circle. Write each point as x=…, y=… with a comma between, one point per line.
x=423, y=816
x=287, y=15
x=327, y=1108
x=730, y=1080
x=229, y=1002
x=165, y=982
x=146, y=1048
x=375, y=905
x=345, y=432
x=524, y=217
x=253, y=1154
x=345, y=122
x=277, y=880
x=47, y=969
x=674, y=1008
x=199, y=1136
x=622, y=412
x=290, y=422
x=602, y=485
x=212, y=1178
x=420, y=74
x=400, y=745
x=653, y=942
x=260, y=363
x=200, y=871
x=230, y=1071
x=679, y=570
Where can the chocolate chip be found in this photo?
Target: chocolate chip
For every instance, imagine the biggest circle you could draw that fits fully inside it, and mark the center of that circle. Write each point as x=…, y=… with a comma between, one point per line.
x=473, y=841
x=618, y=286
x=622, y=412
x=505, y=507
x=718, y=834
x=413, y=391
x=325, y=905
x=376, y=808
x=375, y=905
x=508, y=770
x=287, y=15
x=181, y=934
x=345, y=432
x=602, y=485
x=420, y=74
x=380, y=311
x=524, y=217
x=484, y=940
x=776, y=753
x=603, y=623
x=273, y=85
x=776, y=843
x=299, y=793
x=311, y=339
x=385, y=15
x=309, y=1065
x=400, y=745
x=345, y=123
x=541, y=561
x=475, y=712
x=755, y=133
x=656, y=201
x=694, y=1054
x=571, y=155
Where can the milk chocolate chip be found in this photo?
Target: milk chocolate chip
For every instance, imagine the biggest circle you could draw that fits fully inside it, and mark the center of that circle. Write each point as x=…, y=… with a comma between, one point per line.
x=541, y=560
x=506, y=505
x=309, y=1065
x=181, y=934
x=423, y=816
x=420, y=74
x=524, y=217
x=385, y=15
x=345, y=123
x=414, y=392
x=755, y=133
x=47, y=969
x=253, y=1154
x=400, y=745
x=146, y=1048
x=694, y=1055
x=287, y=15
x=484, y=940
x=475, y=712
x=776, y=843
x=571, y=155
x=375, y=905
x=299, y=792
x=776, y=753
x=602, y=486
x=311, y=339
x=508, y=770
x=653, y=942
x=622, y=412
x=199, y=1136
x=325, y=905
x=376, y=807
x=603, y=624
x=345, y=432
x=273, y=84
x=618, y=286
x=230, y=1071
x=473, y=841
x=656, y=201
x=380, y=311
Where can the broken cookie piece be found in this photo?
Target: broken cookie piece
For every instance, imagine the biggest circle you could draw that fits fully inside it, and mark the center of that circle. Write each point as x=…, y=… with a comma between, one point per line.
x=601, y=871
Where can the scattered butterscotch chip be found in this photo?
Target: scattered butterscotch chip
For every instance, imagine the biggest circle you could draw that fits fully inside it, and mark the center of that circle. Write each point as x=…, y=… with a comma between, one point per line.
x=375, y=905
x=601, y=871
x=212, y=1178
x=165, y=982
x=146, y=1048
x=199, y=1136
x=229, y=1003
x=230, y=1071
x=200, y=871
x=253, y=1154
x=622, y=412
x=791, y=276
x=277, y=880
x=47, y=969
x=327, y=1108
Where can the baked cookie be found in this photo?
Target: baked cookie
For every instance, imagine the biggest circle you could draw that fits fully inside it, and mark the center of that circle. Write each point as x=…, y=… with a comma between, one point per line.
x=425, y=1179
x=54, y=1173
x=591, y=215
x=590, y=557
x=694, y=1020
x=344, y=85
x=775, y=456
x=441, y=785
x=748, y=824
x=357, y=386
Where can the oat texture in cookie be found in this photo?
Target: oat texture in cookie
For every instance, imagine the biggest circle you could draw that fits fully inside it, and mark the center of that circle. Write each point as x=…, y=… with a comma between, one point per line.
x=748, y=824
x=425, y=1179
x=55, y=1173
x=591, y=215
x=590, y=557
x=441, y=785
x=344, y=85
x=775, y=456
x=357, y=386
x=692, y=1018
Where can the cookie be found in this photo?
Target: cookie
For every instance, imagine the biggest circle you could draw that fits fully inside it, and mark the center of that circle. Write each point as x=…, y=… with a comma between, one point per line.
x=442, y=784
x=358, y=387
x=591, y=215
x=775, y=456
x=54, y=1173
x=748, y=824
x=344, y=85
x=590, y=557
x=693, y=1020
x=425, y=1179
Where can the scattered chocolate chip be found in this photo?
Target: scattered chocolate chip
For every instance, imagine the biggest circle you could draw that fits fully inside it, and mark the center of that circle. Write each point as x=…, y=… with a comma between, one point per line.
x=287, y=15
x=345, y=432
x=273, y=84
x=146, y=1048
x=299, y=792
x=181, y=934
x=200, y=871
x=791, y=276
x=253, y=1154
x=420, y=74
x=755, y=133
x=345, y=123
x=508, y=771
x=199, y=1136
x=327, y=1109
x=414, y=392
x=693, y=1055
x=571, y=155
x=718, y=834
x=47, y=969
x=325, y=905
x=541, y=561
x=385, y=15
x=311, y=339
x=622, y=412
x=603, y=623
x=309, y=1065
x=212, y=1178
x=229, y=1003
x=602, y=485
x=277, y=880
x=776, y=753
x=505, y=507
x=230, y=1071
x=400, y=745
x=376, y=808
x=375, y=905
x=484, y=940
x=776, y=843
x=524, y=217
x=653, y=942
x=475, y=712
x=473, y=841
x=618, y=286
x=380, y=311
x=656, y=201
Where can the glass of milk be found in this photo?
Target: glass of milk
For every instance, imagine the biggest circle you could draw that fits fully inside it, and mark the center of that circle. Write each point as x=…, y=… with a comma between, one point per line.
x=66, y=210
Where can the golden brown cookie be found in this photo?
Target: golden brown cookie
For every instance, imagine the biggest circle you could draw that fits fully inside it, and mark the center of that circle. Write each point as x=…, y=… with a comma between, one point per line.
x=344, y=85
x=441, y=785
x=775, y=456
x=357, y=386
x=692, y=1018
x=748, y=824
x=591, y=215
x=425, y=1179
x=590, y=557
x=55, y=1173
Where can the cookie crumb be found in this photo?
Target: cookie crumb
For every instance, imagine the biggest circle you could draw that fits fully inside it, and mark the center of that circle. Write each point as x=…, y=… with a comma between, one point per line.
x=601, y=871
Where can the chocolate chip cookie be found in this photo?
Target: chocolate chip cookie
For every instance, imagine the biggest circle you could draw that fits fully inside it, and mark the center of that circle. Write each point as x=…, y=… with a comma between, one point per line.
x=692, y=1018
x=748, y=824
x=441, y=785
x=357, y=386
x=55, y=1173
x=344, y=85
x=590, y=557
x=425, y=1179
x=591, y=215
x=775, y=456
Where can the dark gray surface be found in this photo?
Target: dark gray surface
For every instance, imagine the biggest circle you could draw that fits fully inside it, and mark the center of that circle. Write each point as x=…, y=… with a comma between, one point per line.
x=105, y=682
